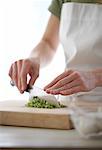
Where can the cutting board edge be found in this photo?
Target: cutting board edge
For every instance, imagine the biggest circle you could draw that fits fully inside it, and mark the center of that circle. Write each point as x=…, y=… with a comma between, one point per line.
x=60, y=121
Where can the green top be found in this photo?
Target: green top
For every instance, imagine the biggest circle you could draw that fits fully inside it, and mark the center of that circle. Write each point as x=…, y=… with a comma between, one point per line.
x=56, y=5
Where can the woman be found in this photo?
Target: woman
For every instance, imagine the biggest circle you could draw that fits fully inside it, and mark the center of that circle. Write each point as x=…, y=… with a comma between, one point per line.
x=77, y=24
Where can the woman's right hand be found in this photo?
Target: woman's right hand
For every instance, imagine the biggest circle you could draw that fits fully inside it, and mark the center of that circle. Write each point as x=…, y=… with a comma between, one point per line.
x=19, y=71
x=41, y=55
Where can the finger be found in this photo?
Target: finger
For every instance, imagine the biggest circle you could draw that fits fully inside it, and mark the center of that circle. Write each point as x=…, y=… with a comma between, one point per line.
x=65, y=87
x=14, y=73
x=23, y=76
x=63, y=75
x=19, y=66
x=23, y=81
x=34, y=74
x=32, y=80
x=65, y=81
x=10, y=72
x=69, y=85
x=72, y=90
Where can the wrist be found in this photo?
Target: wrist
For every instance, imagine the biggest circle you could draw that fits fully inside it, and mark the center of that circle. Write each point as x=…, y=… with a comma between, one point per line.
x=98, y=77
x=35, y=60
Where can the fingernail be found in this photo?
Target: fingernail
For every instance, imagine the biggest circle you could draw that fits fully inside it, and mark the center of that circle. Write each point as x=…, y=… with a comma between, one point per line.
x=48, y=92
x=21, y=91
x=44, y=89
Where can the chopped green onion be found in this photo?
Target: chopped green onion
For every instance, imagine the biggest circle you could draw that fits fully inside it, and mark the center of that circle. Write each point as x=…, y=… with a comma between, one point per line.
x=41, y=103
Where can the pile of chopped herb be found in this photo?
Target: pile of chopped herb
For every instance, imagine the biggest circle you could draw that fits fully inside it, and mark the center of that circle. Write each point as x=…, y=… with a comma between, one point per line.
x=41, y=103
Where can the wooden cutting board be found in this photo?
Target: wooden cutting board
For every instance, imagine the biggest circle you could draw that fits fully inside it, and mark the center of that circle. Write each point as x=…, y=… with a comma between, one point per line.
x=15, y=113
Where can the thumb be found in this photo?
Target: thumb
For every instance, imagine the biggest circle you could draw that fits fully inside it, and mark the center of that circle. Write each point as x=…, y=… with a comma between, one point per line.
x=32, y=80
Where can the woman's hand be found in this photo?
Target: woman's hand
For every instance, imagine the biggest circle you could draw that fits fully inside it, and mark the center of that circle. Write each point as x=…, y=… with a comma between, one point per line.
x=70, y=82
x=19, y=71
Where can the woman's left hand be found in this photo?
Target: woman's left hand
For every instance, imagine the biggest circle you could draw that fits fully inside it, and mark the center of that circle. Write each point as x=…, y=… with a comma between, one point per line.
x=72, y=81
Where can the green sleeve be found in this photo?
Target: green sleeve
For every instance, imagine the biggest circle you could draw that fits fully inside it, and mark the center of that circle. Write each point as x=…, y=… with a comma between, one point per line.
x=55, y=7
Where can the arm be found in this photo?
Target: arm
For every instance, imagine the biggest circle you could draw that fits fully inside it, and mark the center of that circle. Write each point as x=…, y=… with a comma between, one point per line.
x=40, y=56
x=74, y=81
x=98, y=76
x=46, y=48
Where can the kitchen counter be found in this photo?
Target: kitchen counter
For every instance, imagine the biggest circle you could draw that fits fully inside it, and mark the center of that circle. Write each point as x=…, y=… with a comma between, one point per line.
x=36, y=138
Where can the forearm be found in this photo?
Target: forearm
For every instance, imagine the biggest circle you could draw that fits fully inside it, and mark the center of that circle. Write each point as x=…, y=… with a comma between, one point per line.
x=98, y=76
x=46, y=48
x=44, y=52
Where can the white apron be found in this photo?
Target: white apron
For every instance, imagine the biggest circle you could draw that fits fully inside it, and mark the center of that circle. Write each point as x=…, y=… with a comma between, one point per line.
x=81, y=37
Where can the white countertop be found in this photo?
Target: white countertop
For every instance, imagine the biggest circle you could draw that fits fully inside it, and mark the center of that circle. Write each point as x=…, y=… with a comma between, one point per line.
x=21, y=137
